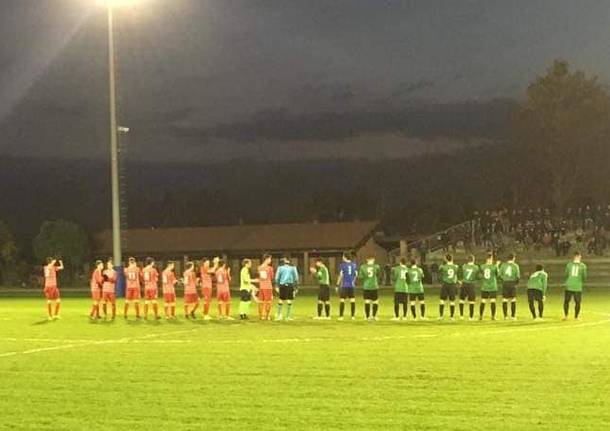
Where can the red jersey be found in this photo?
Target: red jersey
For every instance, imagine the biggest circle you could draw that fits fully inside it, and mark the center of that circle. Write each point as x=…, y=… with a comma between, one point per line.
x=151, y=278
x=108, y=285
x=206, y=277
x=96, y=279
x=190, y=282
x=168, y=278
x=265, y=277
x=223, y=277
x=132, y=276
x=50, y=276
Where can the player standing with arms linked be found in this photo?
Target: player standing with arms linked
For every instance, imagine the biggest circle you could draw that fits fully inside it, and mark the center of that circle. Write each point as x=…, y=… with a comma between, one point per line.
x=415, y=288
x=191, y=299
x=369, y=274
x=287, y=280
x=576, y=275
x=489, y=286
x=246, y=289
x=348, y=272
x=399, y=279
x=51, y=287
x=168, y=280
x=449, y=278
x=223, y=290
x=96, y=289
x=108, y=293
x=207, y=274
x=510, y=273
x=151, y=287
x=133, y=275
x=470, y=274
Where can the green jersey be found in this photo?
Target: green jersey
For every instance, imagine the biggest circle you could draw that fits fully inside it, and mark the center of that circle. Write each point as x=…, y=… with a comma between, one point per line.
x=509, y=271
x=399, y=276
x=415, y=276
x=470, y=272
x=369, y=274
x=576, y=275
x=245, y=280
x=449, y=273
x=323, y=276
x=539, y=281
x=489, y=274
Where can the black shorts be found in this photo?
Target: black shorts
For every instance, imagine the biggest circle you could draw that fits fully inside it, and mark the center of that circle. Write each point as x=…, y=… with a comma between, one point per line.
x=347, y=292
x=414, y=296
x=448, y=291
x=245, y=295
x=509, y=289
x=324, y=293
x=370, y=295
x=534, y=295
x=570, y=294
x=467, y=291
x=486, y=294
x=286, y=292
x=400, y=297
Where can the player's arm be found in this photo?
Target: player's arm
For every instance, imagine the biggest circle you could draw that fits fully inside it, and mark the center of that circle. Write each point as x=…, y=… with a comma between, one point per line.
x=61, y=265
x=584, y=273
x=545, y=281
x=340, y=278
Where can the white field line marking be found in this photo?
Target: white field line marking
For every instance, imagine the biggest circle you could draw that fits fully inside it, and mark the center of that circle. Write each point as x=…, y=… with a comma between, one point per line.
x=95, y=343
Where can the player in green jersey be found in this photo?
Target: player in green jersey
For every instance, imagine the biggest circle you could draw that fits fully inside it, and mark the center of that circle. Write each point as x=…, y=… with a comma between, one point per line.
x=449, y=280
x=489, y=286
x=536, y=291
x=415, y=288
x=399, y=279
x=576, y=275
x=510, y=274
x=246, y=289
x=320, y=272
x=369, y=274
x=470, y=274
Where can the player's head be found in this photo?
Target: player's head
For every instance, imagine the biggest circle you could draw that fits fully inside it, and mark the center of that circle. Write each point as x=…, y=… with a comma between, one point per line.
x=190, y=265
x=222, y=263
x=131, y=261
x=171, y=265
x=448, y=258
x=319, y=262
x=403, y=260
x=511, y=257
x=539, y=267
x=286, y=260
x=51, y=261
x=267, y=259
x=413, y=262
x=247, y=263
x=99, y=264
x=150, y=261
x=347, y=256
x=471, y=258
x=577, y=256
x=109, y=263
x=490, y=258
x=370, y=258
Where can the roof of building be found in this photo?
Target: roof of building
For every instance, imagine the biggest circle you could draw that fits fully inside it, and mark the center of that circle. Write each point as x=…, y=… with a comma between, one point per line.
x=242, y=238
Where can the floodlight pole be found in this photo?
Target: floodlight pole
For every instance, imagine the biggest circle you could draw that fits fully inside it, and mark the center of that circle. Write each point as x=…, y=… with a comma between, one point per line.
x=114, y=146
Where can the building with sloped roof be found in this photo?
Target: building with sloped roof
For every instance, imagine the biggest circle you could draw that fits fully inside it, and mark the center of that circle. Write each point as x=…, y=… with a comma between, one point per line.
x=301, y=241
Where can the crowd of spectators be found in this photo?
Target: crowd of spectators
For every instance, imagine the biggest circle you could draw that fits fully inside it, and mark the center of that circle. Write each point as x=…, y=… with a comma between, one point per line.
x=540, y=228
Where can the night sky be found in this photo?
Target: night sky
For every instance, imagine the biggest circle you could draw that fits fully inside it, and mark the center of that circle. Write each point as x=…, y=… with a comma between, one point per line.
x=212, y=80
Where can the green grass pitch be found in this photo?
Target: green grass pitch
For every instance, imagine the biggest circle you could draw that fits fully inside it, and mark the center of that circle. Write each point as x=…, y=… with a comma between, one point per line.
x=315, y=375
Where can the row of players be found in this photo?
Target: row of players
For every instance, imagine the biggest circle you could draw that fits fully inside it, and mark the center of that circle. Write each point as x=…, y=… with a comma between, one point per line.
x=406, y=278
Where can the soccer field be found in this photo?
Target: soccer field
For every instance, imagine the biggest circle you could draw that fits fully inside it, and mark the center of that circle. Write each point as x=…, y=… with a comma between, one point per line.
x=139, y=375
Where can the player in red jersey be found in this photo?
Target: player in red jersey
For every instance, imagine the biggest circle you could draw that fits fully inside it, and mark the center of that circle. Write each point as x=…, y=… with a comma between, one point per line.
x=169, y=281
x=265, y=292
x=51, y=288
x=151, y=287
x=191, y=299
x=108, y=294
x=97, y=279
x=133, y=276
x=223, y=292
x=206, y=273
